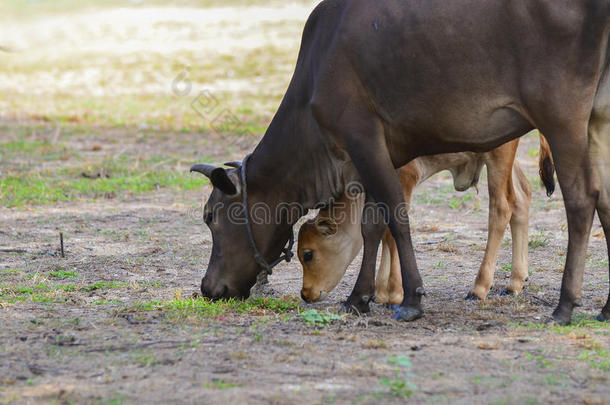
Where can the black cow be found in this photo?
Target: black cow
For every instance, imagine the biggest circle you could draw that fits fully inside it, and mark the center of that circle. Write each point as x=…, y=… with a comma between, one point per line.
x=379, y=83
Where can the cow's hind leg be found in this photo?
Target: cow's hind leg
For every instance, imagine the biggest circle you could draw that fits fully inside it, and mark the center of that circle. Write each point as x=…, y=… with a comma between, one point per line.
x=574, y=171
x=604, y=216
x=373, y=229
x=599, y=145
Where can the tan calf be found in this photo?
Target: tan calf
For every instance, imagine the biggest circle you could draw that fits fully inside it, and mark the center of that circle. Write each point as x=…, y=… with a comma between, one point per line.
x=329, y=243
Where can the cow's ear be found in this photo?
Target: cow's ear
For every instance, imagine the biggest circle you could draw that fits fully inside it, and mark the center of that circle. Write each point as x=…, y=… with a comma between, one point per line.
x=326, y=226
x=221, y=180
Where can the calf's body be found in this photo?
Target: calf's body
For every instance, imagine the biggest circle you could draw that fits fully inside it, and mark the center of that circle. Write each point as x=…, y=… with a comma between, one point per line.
x=328, y=243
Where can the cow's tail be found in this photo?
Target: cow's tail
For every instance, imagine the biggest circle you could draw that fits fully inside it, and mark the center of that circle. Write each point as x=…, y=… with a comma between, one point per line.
x=547, y=166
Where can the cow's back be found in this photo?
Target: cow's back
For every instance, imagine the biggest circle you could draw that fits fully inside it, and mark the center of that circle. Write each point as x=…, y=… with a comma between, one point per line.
x=448, y=76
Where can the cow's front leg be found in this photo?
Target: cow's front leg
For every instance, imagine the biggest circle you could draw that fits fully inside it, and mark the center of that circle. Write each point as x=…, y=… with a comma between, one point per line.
x=372, y=160
x=373, y=228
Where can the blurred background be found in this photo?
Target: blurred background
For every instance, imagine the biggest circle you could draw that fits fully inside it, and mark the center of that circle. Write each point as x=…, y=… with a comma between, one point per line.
x=133, y=92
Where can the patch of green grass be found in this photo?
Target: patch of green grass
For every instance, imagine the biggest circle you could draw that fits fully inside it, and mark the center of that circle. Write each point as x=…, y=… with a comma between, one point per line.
x=599, y=358
x=580, y=323
x=399, y=385
x=104, y=285
x=219, y=384
x=144, y=359
x=4, y=273
x=34, y=189
x=63, y=274
x=153, y=284
x=105, y=302
x=315, y=318
x=202, y=307
x=117, y=398
x=538, y=240
x=458, y=202
x=51, y=293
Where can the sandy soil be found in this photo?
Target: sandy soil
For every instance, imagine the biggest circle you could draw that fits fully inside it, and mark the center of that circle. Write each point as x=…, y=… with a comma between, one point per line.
x=461, y=352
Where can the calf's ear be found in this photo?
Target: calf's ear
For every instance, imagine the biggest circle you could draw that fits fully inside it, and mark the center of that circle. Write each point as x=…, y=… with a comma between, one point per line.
x=326, y=226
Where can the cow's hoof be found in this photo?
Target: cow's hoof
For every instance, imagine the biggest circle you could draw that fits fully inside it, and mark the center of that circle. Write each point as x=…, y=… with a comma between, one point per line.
x=394, y=307
x=359, y=307
x=472, y=297
x=506, y=291
x=562, y=316
x=602, y=318
x=408, y=314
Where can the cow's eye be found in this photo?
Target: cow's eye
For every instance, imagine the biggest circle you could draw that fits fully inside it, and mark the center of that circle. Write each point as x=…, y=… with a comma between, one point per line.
x=308, y=256
x=208, y=218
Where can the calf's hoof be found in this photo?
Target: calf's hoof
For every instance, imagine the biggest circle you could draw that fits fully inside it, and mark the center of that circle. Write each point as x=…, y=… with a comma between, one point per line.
x=408, y=314
x=603, y=318
x=357, y=307
x=506, y=291
x=472, y=297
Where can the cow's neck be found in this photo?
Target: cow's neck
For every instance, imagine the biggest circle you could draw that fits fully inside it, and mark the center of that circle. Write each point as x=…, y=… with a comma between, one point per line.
x=294, y=163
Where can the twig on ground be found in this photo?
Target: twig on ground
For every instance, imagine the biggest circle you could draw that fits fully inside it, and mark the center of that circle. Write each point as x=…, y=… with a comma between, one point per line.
x=171, y=343
x=13, y=250
x=61, y=244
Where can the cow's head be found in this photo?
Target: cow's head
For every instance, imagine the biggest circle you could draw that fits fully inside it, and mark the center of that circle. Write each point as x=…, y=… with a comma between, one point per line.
x=325, y=250
x=232, y=269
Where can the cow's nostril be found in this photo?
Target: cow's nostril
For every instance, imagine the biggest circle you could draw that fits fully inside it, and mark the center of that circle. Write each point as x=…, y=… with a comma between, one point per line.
x=212, y=290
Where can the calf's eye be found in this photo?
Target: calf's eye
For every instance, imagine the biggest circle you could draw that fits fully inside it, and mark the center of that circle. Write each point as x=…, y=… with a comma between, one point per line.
x=308, y=256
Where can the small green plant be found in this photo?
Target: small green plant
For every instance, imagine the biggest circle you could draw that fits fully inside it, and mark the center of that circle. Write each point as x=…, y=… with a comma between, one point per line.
x=144, y=359
x=399, y=386
x=62, y=274
x=598, y=358
x=218, y=384
x=538, y=240
x=315, y=318
x=104, y=285
x=8, y=272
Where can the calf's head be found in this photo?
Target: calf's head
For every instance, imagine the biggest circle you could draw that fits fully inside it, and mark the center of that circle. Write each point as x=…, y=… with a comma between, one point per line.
x=325, y=250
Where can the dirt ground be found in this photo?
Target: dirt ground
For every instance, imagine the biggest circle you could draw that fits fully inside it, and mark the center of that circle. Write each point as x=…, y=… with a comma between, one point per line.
x=95, y=327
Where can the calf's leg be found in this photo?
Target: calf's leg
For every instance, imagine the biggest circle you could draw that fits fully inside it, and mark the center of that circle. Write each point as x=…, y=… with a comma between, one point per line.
x=382, y=293
x=519, y=225
x=501, y=204
x=395, y=280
